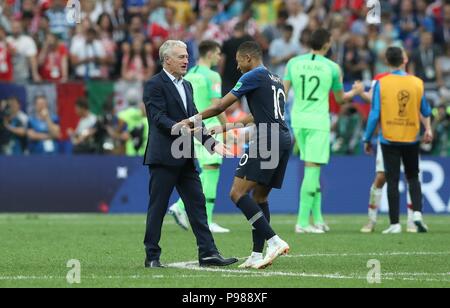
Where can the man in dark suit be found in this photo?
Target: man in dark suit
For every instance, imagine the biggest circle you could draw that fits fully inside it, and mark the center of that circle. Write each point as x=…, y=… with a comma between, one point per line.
x=169, y=99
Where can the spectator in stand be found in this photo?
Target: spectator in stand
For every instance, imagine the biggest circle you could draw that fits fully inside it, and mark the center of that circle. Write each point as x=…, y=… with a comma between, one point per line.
x=136, y=7
x=160, y=29
x=297, y=18
x=29, y=16
x=25, y=55
x=6, y=56
x=83, y=137
x=58, y=22
x=265, y=12
x=105, y=31
x=339, y=36
x=204, y=29
x=183, y=9
x=5, y=13
x=387, y=37
x=426, y=22
x=319, y=10
x=16, y=123
x=137, y=64
x=102, y=7
x=88, y=55
x=43, y=129
x=119, y=21
x=275, y=31
x=282, y=50
x=423, y=64
x=157, y=13
x=442, y=32
x=135, y=28
x=43, y=28
x=407, y=24
x=443, y=73
x=358, y=60
x=228, y=62
x=53, y=60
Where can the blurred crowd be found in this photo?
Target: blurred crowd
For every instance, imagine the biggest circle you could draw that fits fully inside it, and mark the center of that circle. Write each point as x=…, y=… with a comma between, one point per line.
x=119, y=40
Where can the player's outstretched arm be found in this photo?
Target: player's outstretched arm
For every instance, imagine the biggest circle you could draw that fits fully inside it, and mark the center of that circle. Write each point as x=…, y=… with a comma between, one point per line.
x=228, y=126
x=346, y=97
x=210, y=112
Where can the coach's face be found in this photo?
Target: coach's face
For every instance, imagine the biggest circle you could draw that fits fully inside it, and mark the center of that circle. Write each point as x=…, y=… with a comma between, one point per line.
x=244, y=62
x=177, y=61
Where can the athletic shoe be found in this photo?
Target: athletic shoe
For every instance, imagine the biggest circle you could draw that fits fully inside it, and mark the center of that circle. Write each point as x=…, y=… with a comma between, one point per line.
x=323, y=226
x=418, y=221
x=308, y=229
x=251, y=261
x=393, y=229
x=411, y=227
x=273, y=251
x=215, y=228
x=180, y=216
x=369, y=228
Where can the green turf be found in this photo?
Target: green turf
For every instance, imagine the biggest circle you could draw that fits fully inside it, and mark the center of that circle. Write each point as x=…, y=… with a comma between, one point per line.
x=35, y=250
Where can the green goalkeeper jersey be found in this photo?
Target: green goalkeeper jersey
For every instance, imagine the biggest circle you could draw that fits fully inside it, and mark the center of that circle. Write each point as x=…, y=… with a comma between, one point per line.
x=207, y=84
x=312, y=77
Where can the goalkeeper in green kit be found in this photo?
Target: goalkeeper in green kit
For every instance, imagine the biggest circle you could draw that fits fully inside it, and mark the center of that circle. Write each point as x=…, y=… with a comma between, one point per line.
x=207, y=86
x=312, y=77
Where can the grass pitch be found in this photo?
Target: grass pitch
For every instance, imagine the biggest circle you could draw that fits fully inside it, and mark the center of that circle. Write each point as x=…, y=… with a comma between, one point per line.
x=35, y=250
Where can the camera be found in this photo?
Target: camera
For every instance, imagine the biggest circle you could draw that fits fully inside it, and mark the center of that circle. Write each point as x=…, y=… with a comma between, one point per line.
x=104, y=142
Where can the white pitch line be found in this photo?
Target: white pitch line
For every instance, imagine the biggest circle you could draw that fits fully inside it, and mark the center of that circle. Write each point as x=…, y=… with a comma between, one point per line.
x=250, y=273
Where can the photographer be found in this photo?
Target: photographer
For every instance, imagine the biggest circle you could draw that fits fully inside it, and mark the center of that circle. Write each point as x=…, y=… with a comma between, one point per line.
x=110, y=132
x=348, y=130
x=441, y=128
x=83, y=137
x=14, y=127
x=135, y=118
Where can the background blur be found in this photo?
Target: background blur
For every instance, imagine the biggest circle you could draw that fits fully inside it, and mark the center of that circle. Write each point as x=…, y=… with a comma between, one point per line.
x=72, y=126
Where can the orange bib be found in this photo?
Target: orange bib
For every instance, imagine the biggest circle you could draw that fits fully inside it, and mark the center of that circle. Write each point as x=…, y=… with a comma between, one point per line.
x=401, y=97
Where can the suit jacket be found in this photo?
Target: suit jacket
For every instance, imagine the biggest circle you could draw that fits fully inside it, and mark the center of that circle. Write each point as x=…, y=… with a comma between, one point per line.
x=165, y=108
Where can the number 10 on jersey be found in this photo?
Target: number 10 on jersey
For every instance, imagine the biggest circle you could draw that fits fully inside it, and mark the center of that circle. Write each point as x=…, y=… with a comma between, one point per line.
x=276, y=102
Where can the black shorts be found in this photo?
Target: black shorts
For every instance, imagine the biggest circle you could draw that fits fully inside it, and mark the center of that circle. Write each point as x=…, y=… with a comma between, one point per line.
x=255, y=169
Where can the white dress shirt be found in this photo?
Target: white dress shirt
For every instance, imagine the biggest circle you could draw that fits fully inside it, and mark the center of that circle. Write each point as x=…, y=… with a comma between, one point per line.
x=179, y=85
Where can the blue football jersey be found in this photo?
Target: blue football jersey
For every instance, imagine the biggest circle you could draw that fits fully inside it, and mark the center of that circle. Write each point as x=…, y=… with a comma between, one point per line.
x=265, y=95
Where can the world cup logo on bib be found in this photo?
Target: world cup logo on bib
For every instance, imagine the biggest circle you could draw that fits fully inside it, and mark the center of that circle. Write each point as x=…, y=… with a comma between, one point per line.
x=403, y=99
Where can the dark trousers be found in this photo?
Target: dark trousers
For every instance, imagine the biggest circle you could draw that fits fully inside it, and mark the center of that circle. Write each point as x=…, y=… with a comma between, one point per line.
x=409, y=155
x=185, y=179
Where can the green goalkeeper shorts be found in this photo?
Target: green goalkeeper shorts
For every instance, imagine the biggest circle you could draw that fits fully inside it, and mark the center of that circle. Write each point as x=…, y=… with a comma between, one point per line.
x=204, y=157
x=314, y=145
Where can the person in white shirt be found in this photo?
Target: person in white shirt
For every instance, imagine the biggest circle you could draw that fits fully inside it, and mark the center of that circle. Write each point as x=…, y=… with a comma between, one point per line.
x=25, y=54
x=297, y=18
x=88, y=55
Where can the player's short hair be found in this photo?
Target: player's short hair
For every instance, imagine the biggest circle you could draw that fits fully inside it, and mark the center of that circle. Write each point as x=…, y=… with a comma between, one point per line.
x=319, y=38
x=250, y=48
x=394, y=56
x=207, y=46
